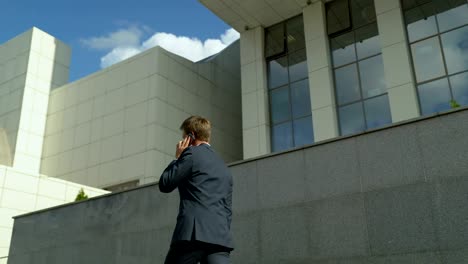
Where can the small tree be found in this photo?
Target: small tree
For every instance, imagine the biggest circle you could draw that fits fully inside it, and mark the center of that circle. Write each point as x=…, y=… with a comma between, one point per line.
x=454, y=104
x=81, y=195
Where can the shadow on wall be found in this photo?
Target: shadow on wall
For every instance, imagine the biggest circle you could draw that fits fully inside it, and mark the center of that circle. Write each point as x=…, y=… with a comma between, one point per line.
x=60, y=68
x=5, y=151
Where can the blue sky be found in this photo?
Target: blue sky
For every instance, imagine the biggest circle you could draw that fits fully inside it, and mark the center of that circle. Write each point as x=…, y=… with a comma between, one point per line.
x=103, y=32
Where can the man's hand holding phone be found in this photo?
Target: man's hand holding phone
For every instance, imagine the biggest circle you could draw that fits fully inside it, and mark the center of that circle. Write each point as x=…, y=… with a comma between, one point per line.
x=182, y=145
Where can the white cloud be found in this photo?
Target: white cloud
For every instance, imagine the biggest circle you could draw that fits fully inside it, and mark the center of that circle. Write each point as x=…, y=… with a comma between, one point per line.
x=122, y=37
x=118, y=54
x=122, y=48
x=230, y=36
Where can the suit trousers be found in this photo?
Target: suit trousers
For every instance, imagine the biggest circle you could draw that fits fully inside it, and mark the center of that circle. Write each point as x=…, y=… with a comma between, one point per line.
x=194, y=252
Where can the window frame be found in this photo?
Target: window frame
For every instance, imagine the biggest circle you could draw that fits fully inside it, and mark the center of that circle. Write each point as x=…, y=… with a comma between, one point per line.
x=438, y=35
x=361, y=100
x=345, y=30
x=285, y=54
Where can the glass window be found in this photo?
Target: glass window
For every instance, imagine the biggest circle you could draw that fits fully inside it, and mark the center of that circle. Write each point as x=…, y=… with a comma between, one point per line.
x=278, y=72
x=455, y=44
x=343, y=49
x=347, y=84
x=359, y=74
x=408, y=4
x=282, y=137
x=451, y=14
x=421, y=22
x=367, y=41
x=300, y=98
x=295, y=36
x=362, y=12
x=288, y=86
x=438, y=36
x=427, y=59
x=274, y=40
x=338, y=18
x=279, y=105
x=377, y=111
x=459, y=84
x=303, y=132
x=297, y=66
x=372, y=76
x=351, y=119
x=434, y=96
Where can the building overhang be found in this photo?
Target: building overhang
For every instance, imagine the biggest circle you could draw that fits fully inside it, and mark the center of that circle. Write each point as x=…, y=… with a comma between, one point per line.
x=245, y=14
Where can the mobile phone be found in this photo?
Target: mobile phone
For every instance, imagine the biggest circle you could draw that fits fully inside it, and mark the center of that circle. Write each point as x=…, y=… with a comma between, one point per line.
x=192, y=137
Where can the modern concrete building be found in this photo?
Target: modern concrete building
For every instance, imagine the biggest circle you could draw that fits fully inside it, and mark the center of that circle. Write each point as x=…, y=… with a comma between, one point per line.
x=314, y=70
x=30, y=66
x=350, y=149
x=113, y=130
x=104, y=126
x=118, y=127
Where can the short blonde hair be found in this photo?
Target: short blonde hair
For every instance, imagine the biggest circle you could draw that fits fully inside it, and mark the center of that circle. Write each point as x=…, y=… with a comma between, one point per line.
x=199, y=126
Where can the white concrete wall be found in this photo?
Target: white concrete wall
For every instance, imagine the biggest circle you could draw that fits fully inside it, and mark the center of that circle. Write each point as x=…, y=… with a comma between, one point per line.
x=22, y=192
x=122, y=123
x=14, y=56
x=398, y=70
x=48, y=64
x=30, y=65
x=5, y=151
x=255, y=108
x=322, y=92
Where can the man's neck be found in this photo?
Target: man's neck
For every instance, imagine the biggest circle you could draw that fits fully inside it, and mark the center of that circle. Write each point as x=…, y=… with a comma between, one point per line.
x=199, y=142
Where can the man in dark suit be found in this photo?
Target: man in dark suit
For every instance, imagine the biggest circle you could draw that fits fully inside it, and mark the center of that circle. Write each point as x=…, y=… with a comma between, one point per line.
x=203, y=230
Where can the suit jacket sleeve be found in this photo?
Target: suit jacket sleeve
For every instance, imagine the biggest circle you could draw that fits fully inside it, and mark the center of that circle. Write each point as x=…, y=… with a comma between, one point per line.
x=176, y=172
x=229, y=202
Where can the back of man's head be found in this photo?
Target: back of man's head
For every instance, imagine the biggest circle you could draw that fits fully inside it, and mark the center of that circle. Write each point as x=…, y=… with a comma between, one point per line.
x=199, y=126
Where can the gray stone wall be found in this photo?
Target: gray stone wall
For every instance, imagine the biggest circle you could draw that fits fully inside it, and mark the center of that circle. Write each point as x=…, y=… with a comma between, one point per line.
x=396, y=195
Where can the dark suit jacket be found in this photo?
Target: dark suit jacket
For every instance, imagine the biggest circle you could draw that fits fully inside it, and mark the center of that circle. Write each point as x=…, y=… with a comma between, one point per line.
x=205, y=189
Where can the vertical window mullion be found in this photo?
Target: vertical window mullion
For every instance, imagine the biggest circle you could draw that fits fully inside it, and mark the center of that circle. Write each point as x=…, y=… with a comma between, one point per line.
x=289, y=93
x=444, y=61
x=358, y=69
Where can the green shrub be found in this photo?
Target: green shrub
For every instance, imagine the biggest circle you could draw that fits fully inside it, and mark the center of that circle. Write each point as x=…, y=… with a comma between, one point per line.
x=81, y=195
x=454, y=104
